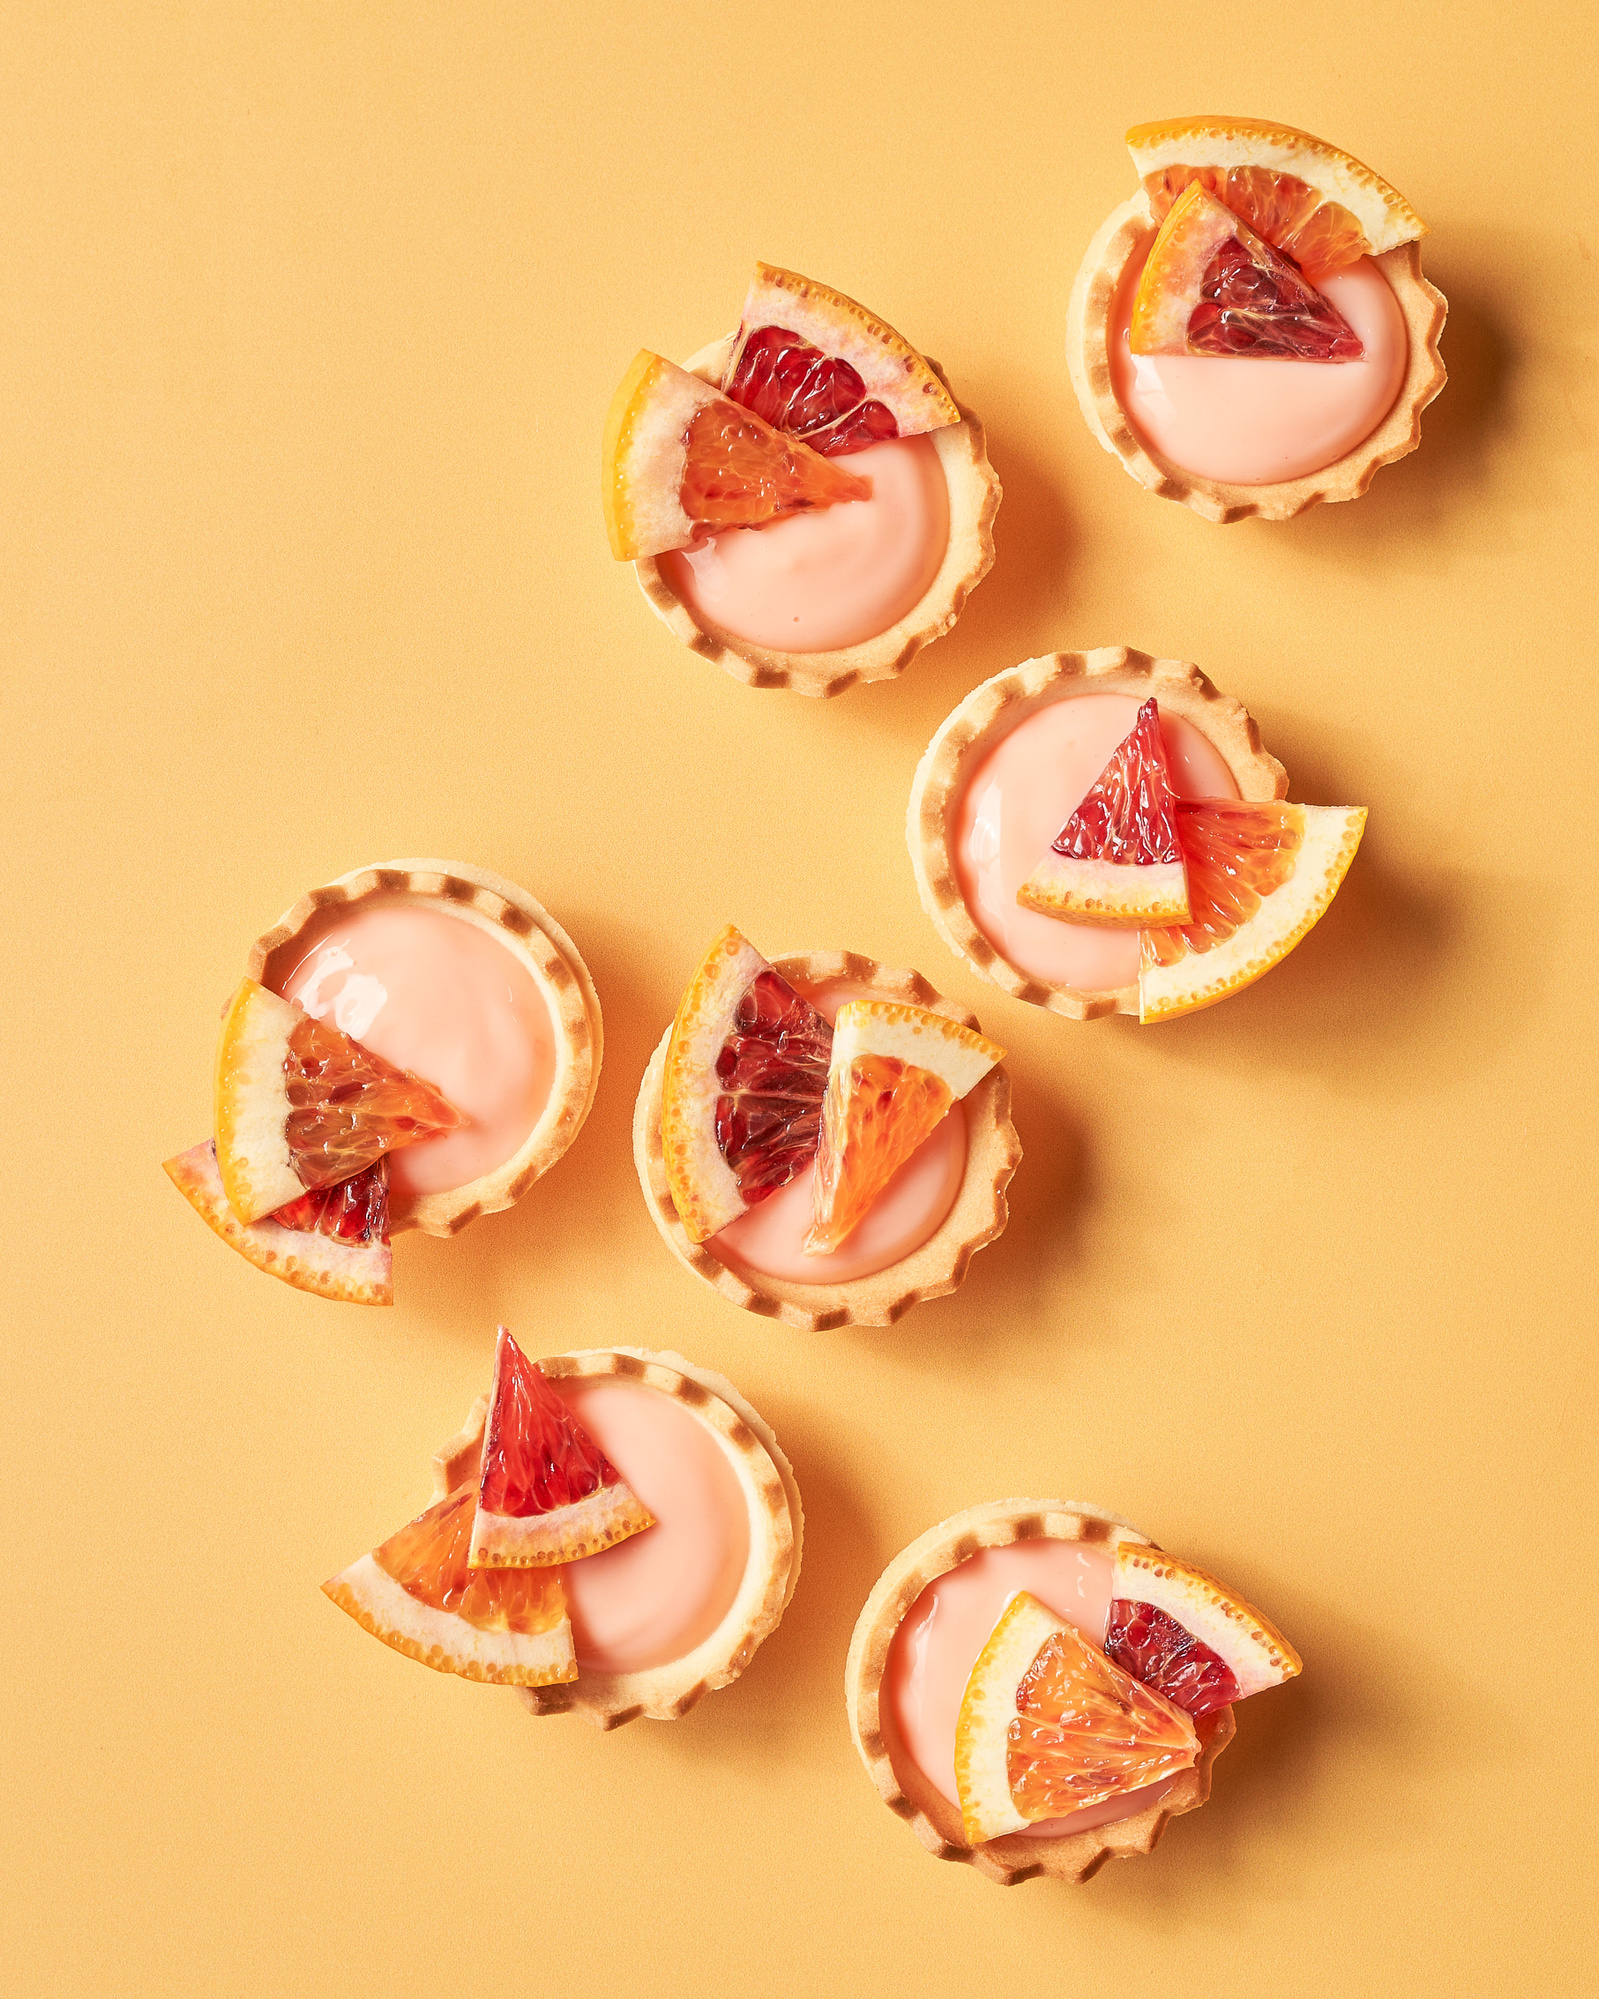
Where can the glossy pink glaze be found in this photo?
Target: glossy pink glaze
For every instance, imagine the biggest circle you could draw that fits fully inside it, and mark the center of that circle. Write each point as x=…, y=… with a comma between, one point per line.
x=1019, y=797
x=657, y=1595
x=820, y=581
x=1254, y=422
x=437, y=995
x=938, y=1641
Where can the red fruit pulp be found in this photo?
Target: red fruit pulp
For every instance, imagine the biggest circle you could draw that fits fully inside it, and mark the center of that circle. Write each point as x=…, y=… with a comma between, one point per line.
x=347, y=1106
x=536, y=1455
x=1129, y=815
x=356, y=1210
x=773, y=1073
x=799, y=389
x=1236, y=852
x=1156, y=1649
x=1253, y=301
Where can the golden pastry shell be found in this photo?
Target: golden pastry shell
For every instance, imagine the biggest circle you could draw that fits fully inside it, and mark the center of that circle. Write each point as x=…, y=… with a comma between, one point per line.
x=527, y=930
x=974, y=496
x=978, y=1216
x=903, y=1787
x=777, y=1527
x=987, y=715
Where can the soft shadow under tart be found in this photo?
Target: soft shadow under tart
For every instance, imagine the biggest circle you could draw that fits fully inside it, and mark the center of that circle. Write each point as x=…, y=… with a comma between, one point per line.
x=974, y=496
x=939, y=1265
x=776, y=1528
x=527, y=930
x=903, y=1786
x=1090, y=327
x=987, y=715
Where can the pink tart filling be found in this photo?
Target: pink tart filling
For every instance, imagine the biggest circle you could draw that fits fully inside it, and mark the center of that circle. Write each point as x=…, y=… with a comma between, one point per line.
x=816, y=582
x=938, y=1640
x=654, y=1597
x=1253, y=422
x=432, y=992
x=1025, y=789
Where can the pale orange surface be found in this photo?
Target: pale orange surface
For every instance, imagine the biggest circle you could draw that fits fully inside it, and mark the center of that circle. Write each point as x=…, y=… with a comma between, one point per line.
x=310, y=320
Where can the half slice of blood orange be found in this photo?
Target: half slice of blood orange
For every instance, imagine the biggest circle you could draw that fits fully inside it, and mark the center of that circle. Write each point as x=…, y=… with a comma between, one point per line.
x=547, y=1493
x=894, y=1073
x=1179, y=1630
x=817, y=365
x=1117, y=859
x=681, y=460
x=742, y=1087
x=418, y=1594
x=1049, y=1725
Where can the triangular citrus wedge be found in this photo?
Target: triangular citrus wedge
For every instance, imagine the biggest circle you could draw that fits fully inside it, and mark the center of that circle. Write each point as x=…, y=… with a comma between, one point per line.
x=1116, y=860
x=816, y=365
x=417, y=1593
x=1261, y=874
x=894, y=1073
x=1048, y=1725
x=547, y=1493
x=1187, y=1635
x=1211, y=285
x=680, y=460
x=300, y=1105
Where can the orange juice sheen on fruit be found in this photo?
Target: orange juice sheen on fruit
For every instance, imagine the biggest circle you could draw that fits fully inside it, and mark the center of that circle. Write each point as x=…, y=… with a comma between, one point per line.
x=819, y=581
x=435, y=994
x=1022, y=793
x=940, y=1636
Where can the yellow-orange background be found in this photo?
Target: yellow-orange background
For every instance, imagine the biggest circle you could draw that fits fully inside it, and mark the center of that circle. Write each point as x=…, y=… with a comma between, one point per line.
x=308, y=320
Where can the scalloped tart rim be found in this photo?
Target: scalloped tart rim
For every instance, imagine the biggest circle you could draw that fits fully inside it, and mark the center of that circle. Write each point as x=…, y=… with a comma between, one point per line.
x=1016, y=1856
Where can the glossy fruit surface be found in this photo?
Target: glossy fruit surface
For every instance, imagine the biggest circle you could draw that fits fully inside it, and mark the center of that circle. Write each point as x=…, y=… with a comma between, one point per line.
x=739, y=472
x=1320, y=235
x=347, y=1106
x=878, y=1112
x=1156, y=1649
x=1129, y=814
x=771, y=1075
x=1237, y=852
x=797, y=388
x=353, y=1210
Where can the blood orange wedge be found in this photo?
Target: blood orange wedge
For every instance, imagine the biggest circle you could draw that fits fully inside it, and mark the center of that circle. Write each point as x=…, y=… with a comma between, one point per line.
x=1116, y=860
x=343, y=1253
x=300, y=1105
x=1179, y=1630
x=816, y=365
x=547, y=1492
x=680, y=461
x=1318, y=205
x=741, y=1096
x=894, y=1073
x=1211, y=285
x=417, y=1593
x=1049, y=1725
x=1261, y=875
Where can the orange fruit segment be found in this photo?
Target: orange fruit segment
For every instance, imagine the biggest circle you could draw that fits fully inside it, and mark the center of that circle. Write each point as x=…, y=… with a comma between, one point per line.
x=681, y=461
x=418, y=1594
x=1211, y=285
x=1177, y=1629
x=547, y=1493
x=1048, y=1725
x=895, y=1071
x=1117, y=861
x=1261, y=875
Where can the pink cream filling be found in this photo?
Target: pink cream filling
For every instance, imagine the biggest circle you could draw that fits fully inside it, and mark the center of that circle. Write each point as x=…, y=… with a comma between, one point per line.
x=1253, y=422
x=770, y=1237
x=1019, y=797
x=936, y=1646
x=817, y=582
x=430, y=991
x=657, y=1595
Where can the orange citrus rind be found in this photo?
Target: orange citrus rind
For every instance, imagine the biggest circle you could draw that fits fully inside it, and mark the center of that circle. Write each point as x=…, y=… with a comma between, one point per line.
x=1123, y=895
x=643, y=456
x=1256, y=1652
x=446, y=1642
x=252, y=1103
x=704, y=1187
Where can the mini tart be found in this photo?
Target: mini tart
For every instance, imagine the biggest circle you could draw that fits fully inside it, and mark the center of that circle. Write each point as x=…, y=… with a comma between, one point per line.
x=528, y=931
x=776, y=1520
x=902, y=1785
x=974, y=495
x=1088, y=336
x=990, y=712
x=993, y=1152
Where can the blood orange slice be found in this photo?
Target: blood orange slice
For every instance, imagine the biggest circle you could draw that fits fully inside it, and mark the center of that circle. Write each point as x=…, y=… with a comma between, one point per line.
x=814, y=364
x=1261, y=875
x=547, y=1493
x=741, y=1097
x=1117, y=859
x=417, y=1593
x=1049, y=1725
x=343, y=1252
x=1177, y=1629
x=894, y=1073
x=301, y=1106
x=1211, y=285
x=681, y=461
